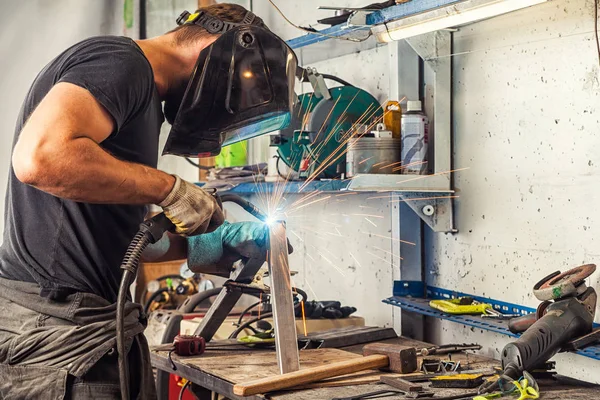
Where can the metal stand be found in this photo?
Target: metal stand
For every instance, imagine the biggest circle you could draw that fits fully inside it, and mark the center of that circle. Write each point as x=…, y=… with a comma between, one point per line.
x=225, y=301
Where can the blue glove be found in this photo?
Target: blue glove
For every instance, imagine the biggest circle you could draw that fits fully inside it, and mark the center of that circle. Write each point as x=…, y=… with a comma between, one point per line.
x=229, y=243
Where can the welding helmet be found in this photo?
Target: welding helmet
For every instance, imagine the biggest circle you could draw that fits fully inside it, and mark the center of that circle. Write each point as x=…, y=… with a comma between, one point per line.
x=242, y=86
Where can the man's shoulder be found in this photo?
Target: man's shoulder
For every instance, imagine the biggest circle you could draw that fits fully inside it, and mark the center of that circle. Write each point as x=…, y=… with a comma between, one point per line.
x=118, y=47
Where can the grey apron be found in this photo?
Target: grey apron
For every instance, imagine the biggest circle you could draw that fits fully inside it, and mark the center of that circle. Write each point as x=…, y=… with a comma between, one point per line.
x=65, y=349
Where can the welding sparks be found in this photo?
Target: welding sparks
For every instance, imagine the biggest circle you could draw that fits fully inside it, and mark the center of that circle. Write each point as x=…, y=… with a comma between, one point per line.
x=303, y=318
x=388, y=252
x=312, y=202
x=388, y=237
x=371, y=222
x=437, y=173
x=355, y=260
x=332, y=264
x=295, y=234
x=367, y=215
x=381, y=258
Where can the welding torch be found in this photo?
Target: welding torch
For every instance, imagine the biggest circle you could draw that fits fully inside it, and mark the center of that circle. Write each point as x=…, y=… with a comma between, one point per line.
x=152, y=230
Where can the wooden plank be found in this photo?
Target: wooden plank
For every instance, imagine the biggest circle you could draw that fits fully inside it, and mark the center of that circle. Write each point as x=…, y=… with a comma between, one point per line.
x=296, y=378
x=256, y=364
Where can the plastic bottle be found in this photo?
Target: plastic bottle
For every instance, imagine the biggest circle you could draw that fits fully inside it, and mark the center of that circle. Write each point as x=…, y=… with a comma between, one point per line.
x=392, y=117
x=414, y=135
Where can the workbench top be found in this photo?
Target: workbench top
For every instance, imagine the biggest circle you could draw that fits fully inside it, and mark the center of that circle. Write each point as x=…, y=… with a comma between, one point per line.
x=219, y=370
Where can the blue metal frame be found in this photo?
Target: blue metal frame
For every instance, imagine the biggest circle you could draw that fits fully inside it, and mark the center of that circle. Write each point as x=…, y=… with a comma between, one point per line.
x=414, y=296
x=375, y=18
x=290, y=187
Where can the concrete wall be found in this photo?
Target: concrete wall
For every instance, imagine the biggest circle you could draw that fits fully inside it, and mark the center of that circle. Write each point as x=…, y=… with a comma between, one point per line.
x=526, y=97
x=34, y=32
x=526, y=121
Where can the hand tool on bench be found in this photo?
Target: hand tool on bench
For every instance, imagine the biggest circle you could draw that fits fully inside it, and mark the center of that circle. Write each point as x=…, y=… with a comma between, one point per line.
x=447, y=349
x=390, y=357
x=184, y=345
x=387, y=393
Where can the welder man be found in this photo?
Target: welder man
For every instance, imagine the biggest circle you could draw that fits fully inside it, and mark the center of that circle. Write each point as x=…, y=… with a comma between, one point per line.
x=84, y=168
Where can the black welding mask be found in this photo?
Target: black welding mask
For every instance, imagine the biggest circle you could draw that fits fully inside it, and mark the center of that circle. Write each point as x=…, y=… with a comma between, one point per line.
x=242, y=86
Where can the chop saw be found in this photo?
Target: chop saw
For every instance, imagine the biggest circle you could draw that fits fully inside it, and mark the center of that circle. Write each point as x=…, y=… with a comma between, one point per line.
x=322, y=122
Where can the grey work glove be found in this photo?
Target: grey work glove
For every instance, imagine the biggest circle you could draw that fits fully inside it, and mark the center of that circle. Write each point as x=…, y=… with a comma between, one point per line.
x=231, y=242
x=191, y=209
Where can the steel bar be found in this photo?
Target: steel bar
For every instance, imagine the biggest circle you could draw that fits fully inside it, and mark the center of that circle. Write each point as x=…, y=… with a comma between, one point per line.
x=286, y=339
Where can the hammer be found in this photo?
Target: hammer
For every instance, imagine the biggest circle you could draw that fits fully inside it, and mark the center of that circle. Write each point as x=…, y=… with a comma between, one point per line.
x=391, y=357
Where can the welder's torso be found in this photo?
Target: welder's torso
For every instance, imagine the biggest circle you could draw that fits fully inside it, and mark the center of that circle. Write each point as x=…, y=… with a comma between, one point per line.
x=63, y=245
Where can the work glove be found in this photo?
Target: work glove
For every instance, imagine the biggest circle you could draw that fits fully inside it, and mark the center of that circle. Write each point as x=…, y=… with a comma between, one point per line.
x=228, y=244
x=191, y=209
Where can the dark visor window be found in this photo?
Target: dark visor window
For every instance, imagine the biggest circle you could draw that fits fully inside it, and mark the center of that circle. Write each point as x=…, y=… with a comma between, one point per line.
x=248, y=82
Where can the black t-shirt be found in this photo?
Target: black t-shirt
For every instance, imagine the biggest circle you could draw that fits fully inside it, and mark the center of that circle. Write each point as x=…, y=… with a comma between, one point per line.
x=67, y=246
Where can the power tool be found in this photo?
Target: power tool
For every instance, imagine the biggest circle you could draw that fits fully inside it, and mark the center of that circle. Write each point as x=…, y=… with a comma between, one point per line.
x=321, y=123
x=569, y=315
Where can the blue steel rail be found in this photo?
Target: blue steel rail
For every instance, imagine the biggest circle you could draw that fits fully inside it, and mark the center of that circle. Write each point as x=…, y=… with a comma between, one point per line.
x=290, y=187
x=413, y=296
x=375, y=18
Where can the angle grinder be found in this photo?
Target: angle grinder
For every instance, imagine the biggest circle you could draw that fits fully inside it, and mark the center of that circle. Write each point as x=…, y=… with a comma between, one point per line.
x=568, y=313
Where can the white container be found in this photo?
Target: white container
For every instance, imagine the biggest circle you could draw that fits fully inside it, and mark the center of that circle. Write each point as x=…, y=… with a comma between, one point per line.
x=414, y=134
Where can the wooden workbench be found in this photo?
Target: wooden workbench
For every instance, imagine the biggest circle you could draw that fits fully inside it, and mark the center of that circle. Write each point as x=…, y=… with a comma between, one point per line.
x=218, y=370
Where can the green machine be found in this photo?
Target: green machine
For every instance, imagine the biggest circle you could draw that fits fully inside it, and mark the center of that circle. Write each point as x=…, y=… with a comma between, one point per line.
x=321, y=125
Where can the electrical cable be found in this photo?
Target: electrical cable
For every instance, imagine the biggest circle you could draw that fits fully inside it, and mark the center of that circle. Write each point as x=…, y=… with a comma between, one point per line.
x=203, y=167
x=243, y=326
x=245, y=204
x=150, y=231
x=247, y=310
x=336, y=79
x=317, y=32
x=152, y=299
x=281, y=175
x=183, y=388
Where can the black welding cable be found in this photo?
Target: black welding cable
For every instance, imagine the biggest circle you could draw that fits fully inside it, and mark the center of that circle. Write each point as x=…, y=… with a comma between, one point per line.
x=246, y=324
x=240, y=328
x=198, y=165
x=129, y=265
x=245, y=204
x=336, y=79
x=247, y=310
x=150, y=231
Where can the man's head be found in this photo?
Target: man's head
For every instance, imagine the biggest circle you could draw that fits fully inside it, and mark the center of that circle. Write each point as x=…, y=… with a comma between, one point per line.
x=189, y=33
x=197, y=31
x=240, y=86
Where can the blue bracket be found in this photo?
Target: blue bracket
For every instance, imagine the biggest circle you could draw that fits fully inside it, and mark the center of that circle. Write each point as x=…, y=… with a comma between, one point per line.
x=414, y=296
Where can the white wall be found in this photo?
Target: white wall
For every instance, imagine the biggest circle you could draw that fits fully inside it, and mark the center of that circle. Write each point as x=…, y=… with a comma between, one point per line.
x=527, y=118
x=338, y=254
x=34, y=32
